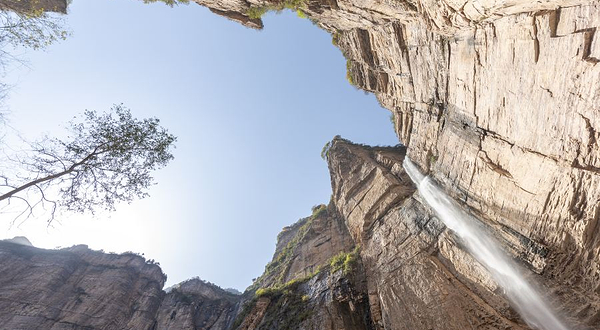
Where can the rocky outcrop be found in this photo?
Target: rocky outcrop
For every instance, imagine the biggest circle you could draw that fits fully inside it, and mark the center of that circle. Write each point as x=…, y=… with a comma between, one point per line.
x=419, y=276
x=195, y=304
x=315, y=280
x=329, y=300
x=305, y=246
x=76, y=288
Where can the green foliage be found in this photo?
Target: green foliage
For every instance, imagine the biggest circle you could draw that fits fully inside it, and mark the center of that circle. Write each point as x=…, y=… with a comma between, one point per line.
x=431, y=159
x=345, y=261
x=319, y=210
x=108, y=158
x=325, y=150
x=34, y=29
x=114, y=154
x=349, y=76
x=258, y=12
x=335, y=38
x=266, y=292
x=301, y=14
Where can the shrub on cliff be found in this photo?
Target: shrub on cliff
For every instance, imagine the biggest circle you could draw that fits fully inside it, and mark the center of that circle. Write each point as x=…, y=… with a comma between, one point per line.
x=258, y=12
x=325, y=150
x=345, y=261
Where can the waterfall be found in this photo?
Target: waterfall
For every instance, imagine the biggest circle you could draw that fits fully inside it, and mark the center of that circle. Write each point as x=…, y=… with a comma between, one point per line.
x=483, y=247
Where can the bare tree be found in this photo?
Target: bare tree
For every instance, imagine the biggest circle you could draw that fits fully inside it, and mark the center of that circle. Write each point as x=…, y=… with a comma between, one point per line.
x=107, y=158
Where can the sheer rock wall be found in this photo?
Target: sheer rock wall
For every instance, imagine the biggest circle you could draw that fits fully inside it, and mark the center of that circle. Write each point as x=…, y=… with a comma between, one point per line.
x=498, y=101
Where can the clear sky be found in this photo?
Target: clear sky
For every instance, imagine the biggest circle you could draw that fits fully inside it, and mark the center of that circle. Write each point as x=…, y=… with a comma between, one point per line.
x=251, y=110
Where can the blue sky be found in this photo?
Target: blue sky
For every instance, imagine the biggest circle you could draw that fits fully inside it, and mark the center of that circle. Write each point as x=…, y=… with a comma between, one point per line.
x=251, y=109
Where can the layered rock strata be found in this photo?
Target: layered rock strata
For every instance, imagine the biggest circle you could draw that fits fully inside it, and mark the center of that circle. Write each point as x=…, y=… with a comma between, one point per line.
x=499, y=102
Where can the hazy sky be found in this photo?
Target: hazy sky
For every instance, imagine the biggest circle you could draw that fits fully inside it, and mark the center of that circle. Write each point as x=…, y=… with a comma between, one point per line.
x=251, y=109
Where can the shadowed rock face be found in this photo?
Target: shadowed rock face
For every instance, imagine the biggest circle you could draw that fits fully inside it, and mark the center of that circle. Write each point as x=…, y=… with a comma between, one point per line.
x=76, y=288
x=195, y=304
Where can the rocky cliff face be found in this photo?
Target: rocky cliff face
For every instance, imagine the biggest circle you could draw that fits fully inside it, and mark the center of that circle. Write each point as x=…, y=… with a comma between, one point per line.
x=195, y=304
x=496, y=100
x=418, y=274
x=76, y=288
x=315, y=280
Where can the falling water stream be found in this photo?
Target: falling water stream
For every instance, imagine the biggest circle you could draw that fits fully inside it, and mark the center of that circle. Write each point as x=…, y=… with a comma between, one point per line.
x=528, y=302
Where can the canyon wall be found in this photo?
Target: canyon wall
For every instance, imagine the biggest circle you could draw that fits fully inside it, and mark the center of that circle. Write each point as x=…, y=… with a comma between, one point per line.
x=77, y=288
x=376, y=257
x=498, y=101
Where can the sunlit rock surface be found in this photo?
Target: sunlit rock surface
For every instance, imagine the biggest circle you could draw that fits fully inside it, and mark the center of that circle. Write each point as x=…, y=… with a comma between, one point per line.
x=499, y=102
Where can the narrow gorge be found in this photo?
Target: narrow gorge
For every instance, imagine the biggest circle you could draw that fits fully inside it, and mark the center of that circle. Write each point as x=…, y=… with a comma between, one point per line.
x=498, y=102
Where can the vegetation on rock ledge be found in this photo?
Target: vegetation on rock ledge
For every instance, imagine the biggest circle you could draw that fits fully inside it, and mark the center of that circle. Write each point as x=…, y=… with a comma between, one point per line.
x=345, y=261
x=258, y=12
